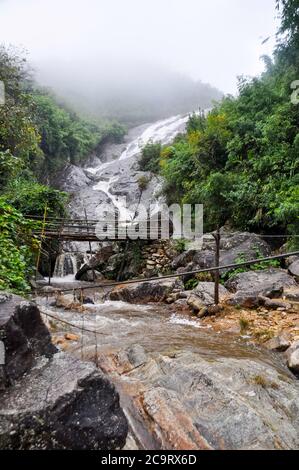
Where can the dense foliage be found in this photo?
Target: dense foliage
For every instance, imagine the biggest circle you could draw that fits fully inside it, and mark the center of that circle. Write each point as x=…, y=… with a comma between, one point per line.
x=242, y=159
x=38, y=136
x=17, y=248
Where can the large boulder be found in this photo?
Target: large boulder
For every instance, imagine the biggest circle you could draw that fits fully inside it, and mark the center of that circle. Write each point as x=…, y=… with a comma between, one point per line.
x=293, y=357
x=144, y=292
x=24, y=335
x=248, y=286
x=49, y=399
x=279, y=343
x=234, y=247
x=294, y=269
x=231, y=398
x=203, y=295
x=63, y=403
x=97, y=260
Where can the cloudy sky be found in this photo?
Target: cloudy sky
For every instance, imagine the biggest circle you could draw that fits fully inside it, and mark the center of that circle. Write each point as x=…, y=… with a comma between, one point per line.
x=211, y=40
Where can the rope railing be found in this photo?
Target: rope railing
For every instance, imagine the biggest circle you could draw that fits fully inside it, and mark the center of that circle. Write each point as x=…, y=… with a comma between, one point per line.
x=78, y=327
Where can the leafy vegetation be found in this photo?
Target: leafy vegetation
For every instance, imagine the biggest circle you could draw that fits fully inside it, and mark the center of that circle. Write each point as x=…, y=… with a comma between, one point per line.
x=241, y=160
x=253, y=267
x=38, y=136
x=17, y=248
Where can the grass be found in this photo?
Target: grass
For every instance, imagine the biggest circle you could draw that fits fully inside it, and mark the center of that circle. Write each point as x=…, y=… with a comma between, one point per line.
x=263, y=334
x=263, y=382
x=244, y=324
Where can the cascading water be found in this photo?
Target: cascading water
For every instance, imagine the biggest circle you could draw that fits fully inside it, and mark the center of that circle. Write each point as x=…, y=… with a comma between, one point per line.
x=120, y=177
x=65, y=265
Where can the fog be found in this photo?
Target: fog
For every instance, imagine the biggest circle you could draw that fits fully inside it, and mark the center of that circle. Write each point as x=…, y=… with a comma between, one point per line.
x=122, y=56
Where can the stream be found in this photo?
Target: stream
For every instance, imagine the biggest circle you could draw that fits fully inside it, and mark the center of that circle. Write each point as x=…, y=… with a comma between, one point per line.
x=181, y=385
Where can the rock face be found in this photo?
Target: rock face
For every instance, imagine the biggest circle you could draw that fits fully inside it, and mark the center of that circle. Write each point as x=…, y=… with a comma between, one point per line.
x=24, y=334
x=192, y=402
x=234, y=247
x=279, y=343
x=49, y=399
x=293, y=357
x=294, y=269
x=249, y=285
x=62, y=403
x=97, y=260
x=144, y=292
x=72, y=178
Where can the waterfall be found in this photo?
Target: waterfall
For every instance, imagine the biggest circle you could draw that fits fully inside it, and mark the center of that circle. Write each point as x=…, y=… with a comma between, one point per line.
x=123, y=171
x=65, y=265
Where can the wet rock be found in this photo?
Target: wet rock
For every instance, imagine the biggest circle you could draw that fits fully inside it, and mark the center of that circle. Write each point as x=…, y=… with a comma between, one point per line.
x=196, y=304
x=203, y=295
x=233, y=246
x=88, y=300
x=245, y=299
x=249, y=285
x=291, y=294
x=228, y=402
x=273, y=304
x=151, y=291
x=72, y=178
x=48, y=399
x=136, y=355
x=292, y=355
x=279, y=343
x=67, y=301
x=62, y=404
x=49, y=290
x=294, y=269
x=24, y=335
x=97, y=260
x=92, y=276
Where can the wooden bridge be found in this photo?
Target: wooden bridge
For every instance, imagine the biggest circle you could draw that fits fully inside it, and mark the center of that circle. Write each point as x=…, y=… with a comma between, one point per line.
x=88, y=230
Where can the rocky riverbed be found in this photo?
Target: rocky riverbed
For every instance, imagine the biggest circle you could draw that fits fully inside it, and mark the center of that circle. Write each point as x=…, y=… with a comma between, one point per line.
x=182, y=383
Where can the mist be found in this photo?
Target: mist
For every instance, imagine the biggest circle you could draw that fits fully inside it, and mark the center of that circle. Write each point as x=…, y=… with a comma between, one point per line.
x=137, y=59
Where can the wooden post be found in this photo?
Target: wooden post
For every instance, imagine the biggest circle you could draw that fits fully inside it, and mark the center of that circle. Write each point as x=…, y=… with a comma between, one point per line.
x=49, y=265
x=217, y=261
x=93, y=273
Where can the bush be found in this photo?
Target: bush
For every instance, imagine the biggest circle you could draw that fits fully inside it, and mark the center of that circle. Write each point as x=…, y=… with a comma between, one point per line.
x=17, y=248
x=150, y=157
x=30, y=198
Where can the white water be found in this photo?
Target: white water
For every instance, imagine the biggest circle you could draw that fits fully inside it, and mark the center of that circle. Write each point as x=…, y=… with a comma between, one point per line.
x=65, y=266
x=163, y=131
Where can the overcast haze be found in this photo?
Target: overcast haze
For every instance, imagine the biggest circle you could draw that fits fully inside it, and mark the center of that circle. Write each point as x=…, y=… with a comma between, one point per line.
x=209, y=40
